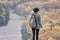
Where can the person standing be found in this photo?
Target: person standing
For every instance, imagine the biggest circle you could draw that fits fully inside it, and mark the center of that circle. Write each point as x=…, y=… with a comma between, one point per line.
x=35, y=23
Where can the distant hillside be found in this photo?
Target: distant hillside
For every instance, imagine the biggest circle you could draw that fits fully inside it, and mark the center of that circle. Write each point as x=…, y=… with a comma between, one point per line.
x=11, y=4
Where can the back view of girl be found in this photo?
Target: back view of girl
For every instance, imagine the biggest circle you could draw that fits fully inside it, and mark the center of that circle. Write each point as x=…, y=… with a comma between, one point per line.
x=35, y=23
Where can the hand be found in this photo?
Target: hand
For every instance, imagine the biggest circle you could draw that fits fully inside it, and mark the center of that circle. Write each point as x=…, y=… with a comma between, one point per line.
x=41, y=26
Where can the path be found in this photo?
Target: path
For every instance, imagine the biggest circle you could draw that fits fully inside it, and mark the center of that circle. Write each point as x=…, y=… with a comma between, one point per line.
x=12, y=30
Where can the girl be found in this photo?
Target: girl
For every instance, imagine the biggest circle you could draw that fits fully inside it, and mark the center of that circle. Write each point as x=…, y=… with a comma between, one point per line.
x=36, y=23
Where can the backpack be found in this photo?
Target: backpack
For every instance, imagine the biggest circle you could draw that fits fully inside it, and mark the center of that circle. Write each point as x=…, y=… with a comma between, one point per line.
x=33, y=21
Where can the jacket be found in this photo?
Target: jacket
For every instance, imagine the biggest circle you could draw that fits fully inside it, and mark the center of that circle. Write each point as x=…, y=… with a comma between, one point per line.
x=38, y=20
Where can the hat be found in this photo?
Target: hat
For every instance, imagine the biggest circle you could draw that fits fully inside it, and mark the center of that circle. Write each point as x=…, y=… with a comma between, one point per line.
x=36, y=9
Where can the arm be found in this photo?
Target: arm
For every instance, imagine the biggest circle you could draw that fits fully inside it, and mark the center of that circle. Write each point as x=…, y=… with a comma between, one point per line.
x=40, y=22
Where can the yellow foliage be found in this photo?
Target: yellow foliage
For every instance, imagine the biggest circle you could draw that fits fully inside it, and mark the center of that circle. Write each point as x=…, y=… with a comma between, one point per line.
x=27, y=9
x=46, y=26
x=51, y=38
x=56, y=28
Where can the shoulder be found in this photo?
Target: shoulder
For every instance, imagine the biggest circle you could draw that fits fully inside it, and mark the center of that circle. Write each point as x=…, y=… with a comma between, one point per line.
x=32, y=15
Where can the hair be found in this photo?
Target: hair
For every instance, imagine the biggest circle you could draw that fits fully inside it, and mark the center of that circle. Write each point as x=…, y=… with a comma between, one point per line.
x=36, y=9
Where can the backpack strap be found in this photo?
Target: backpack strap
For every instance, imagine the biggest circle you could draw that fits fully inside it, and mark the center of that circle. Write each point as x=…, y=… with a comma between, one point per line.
x=35, y=19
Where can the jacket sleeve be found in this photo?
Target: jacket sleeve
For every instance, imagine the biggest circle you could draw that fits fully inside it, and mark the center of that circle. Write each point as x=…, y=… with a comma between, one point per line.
x=40, y=21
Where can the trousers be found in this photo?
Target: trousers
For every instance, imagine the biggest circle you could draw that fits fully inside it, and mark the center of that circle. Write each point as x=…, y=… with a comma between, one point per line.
x=35, y=33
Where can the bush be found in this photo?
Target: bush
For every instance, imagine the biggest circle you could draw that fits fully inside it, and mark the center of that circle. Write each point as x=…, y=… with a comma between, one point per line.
x=25, y=34
x=4, y=15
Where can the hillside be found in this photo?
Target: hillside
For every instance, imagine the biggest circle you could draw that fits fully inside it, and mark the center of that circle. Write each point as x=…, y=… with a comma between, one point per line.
x=11, y=4
x=50, y=17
